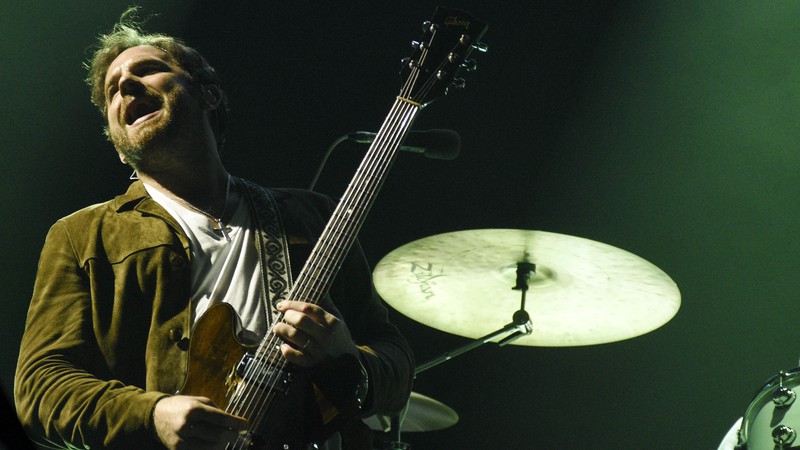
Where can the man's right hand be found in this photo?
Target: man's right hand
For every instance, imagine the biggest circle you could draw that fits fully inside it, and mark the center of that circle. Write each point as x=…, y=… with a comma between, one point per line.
x=186, y=422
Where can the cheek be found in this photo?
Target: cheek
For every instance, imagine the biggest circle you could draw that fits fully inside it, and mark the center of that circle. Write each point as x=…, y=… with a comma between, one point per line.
x=112, y=114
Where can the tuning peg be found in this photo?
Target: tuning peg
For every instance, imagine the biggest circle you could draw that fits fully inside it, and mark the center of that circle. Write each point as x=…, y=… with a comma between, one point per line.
x=413, y=64
x=469, y=65
x=427, y=26
x=458, y=83
x=481, y=47
x=408, y=63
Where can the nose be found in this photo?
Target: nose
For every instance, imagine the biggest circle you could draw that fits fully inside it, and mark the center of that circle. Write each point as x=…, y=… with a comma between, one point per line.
x=130, y=84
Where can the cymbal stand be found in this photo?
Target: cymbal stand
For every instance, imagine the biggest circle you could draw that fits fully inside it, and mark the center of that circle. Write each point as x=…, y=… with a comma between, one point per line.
x=519, y=326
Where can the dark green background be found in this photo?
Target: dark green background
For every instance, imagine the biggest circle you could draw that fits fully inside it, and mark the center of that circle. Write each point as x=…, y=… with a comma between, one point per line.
x=666, y=128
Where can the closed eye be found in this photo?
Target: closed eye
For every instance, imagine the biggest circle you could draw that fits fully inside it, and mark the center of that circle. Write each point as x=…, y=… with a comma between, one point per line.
x=149, y=67
x=140, y=69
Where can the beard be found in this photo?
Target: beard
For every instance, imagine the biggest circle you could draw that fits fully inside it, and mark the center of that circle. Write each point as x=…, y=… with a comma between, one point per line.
x=156, y=142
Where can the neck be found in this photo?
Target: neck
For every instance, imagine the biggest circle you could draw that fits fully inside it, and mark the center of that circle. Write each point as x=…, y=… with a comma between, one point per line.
x=188, y=168
x=204, y=186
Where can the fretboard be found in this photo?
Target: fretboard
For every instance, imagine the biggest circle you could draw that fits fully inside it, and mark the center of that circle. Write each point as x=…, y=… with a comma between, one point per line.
x=340, y=233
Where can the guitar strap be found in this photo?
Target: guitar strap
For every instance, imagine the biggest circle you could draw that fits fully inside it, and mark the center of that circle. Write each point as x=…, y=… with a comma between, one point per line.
x=272, y=247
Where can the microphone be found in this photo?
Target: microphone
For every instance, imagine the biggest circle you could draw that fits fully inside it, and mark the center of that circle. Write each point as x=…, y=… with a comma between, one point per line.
x=435, y=143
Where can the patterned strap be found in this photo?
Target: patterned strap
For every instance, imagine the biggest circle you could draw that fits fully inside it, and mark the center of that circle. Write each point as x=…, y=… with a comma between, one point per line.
x=271, y=245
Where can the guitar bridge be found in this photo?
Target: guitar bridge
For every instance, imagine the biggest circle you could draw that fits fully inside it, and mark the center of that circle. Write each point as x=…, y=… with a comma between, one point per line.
x=263, y=373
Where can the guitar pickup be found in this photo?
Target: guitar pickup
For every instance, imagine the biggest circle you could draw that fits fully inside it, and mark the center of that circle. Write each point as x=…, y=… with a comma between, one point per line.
x=263, y=373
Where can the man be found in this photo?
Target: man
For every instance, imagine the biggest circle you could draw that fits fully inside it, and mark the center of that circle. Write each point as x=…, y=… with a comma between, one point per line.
x=121, y=285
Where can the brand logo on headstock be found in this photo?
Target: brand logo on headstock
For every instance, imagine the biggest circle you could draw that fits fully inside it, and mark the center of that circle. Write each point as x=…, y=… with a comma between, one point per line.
x=456, y=22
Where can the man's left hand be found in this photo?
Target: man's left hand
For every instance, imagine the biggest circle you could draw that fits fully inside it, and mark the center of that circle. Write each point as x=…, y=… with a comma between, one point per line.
x=316, y=336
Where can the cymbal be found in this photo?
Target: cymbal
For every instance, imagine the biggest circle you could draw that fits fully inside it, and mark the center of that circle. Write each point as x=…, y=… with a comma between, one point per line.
x=422, y=414
x=583, y=292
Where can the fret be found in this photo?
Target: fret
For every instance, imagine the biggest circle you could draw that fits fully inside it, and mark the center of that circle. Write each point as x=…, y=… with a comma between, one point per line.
x=319, y=269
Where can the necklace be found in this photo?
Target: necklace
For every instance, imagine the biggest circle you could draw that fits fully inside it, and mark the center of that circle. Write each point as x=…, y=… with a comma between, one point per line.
x=216, y=222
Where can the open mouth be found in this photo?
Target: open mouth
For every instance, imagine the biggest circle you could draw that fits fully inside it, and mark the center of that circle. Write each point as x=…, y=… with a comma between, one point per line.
x=141, y=110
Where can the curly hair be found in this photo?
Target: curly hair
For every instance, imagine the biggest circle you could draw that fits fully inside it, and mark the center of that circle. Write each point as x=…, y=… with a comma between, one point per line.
x=128, y=33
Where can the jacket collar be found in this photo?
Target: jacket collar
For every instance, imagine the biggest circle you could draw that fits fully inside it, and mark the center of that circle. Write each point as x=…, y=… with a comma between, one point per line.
x=138, y=199
x=135, y=194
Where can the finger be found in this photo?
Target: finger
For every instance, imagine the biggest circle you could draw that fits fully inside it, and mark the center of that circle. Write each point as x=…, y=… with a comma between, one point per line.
x=305, y=324
x=289, y=334
x=297, y=357
x=211, y=435
x=210, y=425
x=313, y=311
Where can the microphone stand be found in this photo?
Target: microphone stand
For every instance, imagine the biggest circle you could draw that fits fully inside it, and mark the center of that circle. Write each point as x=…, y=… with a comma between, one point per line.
x=325, y=157
x=519, y=326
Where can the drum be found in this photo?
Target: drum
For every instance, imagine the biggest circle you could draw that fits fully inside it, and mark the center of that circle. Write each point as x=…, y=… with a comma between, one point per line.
x=731, y=439
x=772, y=420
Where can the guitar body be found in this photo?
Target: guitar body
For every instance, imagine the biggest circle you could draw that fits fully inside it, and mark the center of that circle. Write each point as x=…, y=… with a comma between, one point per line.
x=289, y=407
x=214, y=357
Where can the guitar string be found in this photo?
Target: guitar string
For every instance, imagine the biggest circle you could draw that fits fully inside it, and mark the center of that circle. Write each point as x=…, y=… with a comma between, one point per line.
x=323, y=282
x=319, y=281
x=371, y=180
x=257, y=366
x=337, y=218
x=336, y=248
x=381, y=141
x=409, y=82
x=352, y=203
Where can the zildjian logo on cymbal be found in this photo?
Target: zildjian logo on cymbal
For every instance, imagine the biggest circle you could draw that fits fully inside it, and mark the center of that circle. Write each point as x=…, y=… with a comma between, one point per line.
x=422, y=276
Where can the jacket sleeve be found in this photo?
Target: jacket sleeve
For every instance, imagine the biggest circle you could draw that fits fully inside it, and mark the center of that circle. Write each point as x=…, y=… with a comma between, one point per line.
x=63, y=388
x=384, y=352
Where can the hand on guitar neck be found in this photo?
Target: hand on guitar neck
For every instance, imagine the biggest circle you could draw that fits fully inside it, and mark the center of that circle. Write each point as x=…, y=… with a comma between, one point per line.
x=311, y=334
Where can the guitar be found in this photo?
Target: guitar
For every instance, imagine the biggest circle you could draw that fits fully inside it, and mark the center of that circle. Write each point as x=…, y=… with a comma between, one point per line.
x=287, y=407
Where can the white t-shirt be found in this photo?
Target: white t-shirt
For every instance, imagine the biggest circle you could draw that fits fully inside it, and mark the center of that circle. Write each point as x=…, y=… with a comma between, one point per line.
x=222, y=270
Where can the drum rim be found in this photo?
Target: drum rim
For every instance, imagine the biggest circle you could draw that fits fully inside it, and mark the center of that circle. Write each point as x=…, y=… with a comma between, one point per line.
x=757, y=402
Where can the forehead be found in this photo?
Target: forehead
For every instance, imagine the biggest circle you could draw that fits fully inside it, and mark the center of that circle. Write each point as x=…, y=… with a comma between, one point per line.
x=133, y=54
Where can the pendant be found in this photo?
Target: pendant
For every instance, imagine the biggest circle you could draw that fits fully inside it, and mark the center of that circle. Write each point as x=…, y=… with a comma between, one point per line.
x=217, y=225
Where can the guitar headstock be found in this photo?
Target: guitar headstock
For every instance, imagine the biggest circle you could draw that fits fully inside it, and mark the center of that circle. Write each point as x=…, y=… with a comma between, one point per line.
x=449, y=38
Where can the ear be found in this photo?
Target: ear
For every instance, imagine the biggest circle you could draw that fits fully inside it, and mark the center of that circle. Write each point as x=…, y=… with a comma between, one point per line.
x=122, y=158
x=211, y=95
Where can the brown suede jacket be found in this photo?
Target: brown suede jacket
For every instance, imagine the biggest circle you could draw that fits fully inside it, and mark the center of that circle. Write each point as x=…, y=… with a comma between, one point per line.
x=110, y=309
